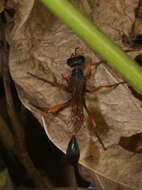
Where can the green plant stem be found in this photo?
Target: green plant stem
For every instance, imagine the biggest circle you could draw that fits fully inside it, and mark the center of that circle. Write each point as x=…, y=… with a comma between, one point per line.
x=99, y=42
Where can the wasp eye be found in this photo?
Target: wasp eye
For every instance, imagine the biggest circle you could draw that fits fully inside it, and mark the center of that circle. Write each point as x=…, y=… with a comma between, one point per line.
x=74, y=61
x=73, y=152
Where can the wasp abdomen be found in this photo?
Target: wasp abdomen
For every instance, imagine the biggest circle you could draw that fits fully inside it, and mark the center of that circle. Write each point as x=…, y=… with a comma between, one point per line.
x=73, y=152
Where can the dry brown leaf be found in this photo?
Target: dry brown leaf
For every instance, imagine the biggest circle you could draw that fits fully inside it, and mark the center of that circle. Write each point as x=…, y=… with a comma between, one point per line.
x=41, y=44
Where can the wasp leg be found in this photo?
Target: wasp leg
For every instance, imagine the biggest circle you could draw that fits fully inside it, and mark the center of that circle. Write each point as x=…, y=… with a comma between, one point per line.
x=93, y=123
x=65, y=78
x=105, y=86
x=88, y=70
x=97, y=63
x=55, y=108
x=55, y=84
x=58, y=107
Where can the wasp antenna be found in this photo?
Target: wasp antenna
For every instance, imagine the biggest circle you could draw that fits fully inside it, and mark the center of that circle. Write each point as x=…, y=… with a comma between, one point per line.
x=72, y=55
x=75, y=51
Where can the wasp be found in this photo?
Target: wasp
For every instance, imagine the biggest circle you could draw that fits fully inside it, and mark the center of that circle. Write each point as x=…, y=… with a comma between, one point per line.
x=76, y=87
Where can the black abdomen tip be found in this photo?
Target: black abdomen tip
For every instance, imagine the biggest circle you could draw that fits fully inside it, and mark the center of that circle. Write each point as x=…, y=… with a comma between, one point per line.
x=73, y=152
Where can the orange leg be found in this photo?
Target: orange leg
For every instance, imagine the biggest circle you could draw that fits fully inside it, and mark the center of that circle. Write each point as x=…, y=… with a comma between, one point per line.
x=65, y=78
x=55, y=84
x=93, y=123
x=97, y=63
x=105, y=86
x=56, y=108
x=88, y=71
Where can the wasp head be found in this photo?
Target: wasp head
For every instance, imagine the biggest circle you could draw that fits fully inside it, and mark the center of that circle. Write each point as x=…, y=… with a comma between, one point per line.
x=76, y=61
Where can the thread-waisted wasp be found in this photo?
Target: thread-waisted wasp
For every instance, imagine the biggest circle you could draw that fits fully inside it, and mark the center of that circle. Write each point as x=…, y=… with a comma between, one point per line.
x=76, y=86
